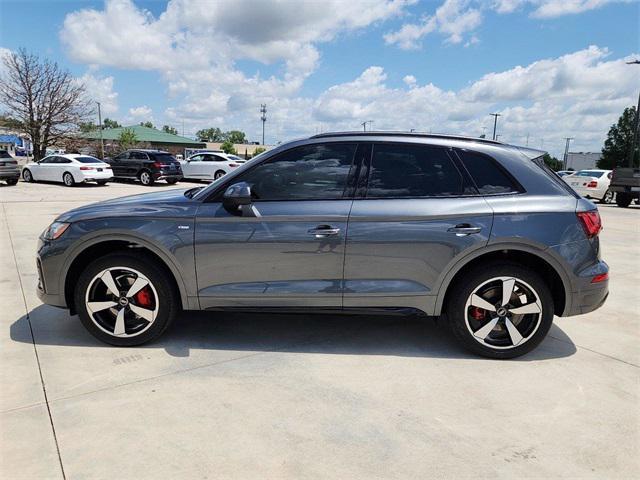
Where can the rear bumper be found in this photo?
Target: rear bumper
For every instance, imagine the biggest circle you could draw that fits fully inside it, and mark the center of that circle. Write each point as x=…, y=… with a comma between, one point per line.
x=165, y=176
x=588, y=296
x=9, y=174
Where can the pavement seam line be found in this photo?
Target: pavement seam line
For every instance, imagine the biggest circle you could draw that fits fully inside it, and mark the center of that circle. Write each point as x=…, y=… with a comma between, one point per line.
x=35, y=349
x=596, y=352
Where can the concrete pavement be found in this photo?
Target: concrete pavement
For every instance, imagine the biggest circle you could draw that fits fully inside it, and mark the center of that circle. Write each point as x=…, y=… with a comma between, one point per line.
x=308, y=396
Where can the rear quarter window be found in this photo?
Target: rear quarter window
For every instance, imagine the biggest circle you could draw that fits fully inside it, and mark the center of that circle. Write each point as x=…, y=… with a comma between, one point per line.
x=489, y=177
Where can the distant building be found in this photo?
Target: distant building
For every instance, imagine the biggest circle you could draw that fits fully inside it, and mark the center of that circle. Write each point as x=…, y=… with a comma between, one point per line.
x=583, y=160
x=241, y=148
x=14, y=142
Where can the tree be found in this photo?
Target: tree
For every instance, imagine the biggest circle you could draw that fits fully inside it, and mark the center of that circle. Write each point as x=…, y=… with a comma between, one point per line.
x=552, y=162
x=227, y=147
x=127, y=139
x=235, y=136
x=615, y=152
x=43, y=97
x=169, y=129
x=108, y=123
x=86, y=127
x=210, y=135
x=11, y=123
x=258, y=151
x=147, y=124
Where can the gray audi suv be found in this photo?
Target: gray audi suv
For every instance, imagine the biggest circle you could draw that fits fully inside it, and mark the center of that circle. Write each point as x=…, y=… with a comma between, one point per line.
x=479, y=233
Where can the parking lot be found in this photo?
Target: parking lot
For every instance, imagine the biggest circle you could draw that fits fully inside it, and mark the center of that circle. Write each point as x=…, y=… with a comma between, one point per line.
x=309, y=396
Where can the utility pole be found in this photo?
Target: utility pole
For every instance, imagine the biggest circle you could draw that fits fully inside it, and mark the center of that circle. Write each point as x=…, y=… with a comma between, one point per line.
x=263, y=117
x=495, y=122
x=364, y=125
x=101, y=139
x=566, y=152
x=636, y=124
x=527, y=139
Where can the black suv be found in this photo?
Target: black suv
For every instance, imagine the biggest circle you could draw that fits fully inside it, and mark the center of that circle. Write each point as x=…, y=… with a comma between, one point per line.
x=146, y=166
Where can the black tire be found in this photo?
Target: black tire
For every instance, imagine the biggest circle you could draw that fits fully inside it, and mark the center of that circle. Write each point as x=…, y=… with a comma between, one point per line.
x=218, y=174
x=12, y=181
x=461, y=291
x=608, y=197
x=101, y=182
x=27, y=176
x=146, y=178
x=168, y=300
x=172, y=181
x=68, y=179
x=623, y=199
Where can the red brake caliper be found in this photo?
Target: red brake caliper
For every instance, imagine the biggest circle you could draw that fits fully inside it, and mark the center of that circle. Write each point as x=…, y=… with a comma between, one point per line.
x=478, y=313
x=143, y=297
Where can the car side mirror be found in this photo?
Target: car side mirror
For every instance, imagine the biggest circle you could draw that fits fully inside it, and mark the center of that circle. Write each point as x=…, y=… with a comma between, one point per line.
x=237, y=199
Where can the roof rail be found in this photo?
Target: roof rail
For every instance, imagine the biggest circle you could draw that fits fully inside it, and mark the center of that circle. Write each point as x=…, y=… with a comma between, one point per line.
x=405, y=134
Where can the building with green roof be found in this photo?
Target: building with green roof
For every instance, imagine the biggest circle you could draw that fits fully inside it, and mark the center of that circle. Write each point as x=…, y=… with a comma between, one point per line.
x=151, y=137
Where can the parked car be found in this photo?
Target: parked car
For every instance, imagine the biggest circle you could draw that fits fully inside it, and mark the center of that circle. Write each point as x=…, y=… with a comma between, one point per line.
x=148, y=166
x=209, y=165
x=480, y=233
x=593, y=184
x=69, y=169
x=9, y=171
x=626, y=185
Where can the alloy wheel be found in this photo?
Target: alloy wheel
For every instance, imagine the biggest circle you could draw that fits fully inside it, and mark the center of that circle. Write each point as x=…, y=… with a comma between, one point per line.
x=608, y=197
x=503, y=313
x=145, y=178
x=67, y=179
x=122, y=302
x=218, y=175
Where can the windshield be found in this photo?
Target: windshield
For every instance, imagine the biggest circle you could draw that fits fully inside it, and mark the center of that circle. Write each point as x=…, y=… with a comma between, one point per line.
x=589, y=173
x=164, y=158
x=88, y=159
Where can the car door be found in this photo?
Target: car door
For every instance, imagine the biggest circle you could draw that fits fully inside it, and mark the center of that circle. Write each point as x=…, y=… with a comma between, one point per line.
x=118, y=164
x=190, y=165
x=290, y=250
x=135, y=163
x=46, y=169
x=415, y=214
x=63, y=165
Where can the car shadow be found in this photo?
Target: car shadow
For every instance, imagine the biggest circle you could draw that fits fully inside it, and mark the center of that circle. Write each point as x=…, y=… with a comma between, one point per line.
x=75, y=185
x=362, y=334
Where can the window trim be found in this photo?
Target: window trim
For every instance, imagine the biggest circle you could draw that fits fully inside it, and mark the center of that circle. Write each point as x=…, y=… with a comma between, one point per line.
x=520, y=190
x=447, y=151
x=216, y=195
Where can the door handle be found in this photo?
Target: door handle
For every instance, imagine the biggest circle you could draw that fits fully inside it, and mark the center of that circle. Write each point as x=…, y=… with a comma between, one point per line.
x=323, y=231
x=464, y=229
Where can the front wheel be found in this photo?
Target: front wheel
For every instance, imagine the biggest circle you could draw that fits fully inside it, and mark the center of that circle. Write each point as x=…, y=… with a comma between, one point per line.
x=68, y=180
x=500, y=311
x=125, y=300
x=608, y=197
x=27, y=175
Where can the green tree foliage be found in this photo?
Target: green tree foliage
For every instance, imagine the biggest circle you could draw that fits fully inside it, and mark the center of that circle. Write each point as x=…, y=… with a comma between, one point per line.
x=86, y=127
x=210, y=135
x=127, y=139
x=147, y=124
x=227, y=147
x=235, y=136
x=552, y=162
x=258, y=151
x=169, y=129
x=615, y=152
x=108, y=123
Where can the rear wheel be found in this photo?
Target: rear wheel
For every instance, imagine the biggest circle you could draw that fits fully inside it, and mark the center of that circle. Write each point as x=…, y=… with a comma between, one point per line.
x=27, y=176
x=146, y=178
x=68, y=180
x=500, y=311
x=218, y=174
x=623, y=199
x=172, y=181
x=608, y=197
x=101, y=182
x=125, y=300
x=12, y=181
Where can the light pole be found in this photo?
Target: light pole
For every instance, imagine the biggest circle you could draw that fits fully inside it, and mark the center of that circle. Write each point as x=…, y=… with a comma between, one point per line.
x=263, y=117
x=636, y=126
x=495, y=122
x=101, y=138
x=364, y=125
x=566, y=152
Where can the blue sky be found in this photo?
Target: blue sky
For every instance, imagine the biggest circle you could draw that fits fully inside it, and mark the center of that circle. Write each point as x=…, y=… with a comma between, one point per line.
x=434, y=65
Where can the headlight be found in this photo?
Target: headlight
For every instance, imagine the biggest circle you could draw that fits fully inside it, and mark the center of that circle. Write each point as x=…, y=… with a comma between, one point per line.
x=55, y=230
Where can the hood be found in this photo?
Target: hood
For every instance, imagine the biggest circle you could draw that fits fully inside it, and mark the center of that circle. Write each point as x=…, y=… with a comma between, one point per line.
x=171, y=203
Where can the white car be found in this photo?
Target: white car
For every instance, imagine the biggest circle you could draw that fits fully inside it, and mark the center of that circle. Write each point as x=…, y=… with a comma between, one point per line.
x=68, y=169
x=593, y=183
x=209, y=165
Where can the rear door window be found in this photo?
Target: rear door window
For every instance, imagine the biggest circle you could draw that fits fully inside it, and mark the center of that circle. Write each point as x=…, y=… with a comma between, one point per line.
x=405, y=170
x=489, y=177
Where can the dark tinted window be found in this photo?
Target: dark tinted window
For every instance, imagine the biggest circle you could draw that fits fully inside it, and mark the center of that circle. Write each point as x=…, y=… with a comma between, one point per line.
x=48, y=160
x=211, y=158
x=62, y=160
x=164, y=158
x=589, y=173
x=4, y=154
x=122, y=156
x=412, y=171
x=138, y=156
x=88, y=159
x=487, y=175
x=311, y=172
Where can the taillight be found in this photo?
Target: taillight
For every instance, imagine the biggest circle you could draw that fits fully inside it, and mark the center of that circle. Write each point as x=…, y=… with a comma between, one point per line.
x=600, y=278
x=590, y=222
x=157, y=164
x=592, y=184
x=86, y=168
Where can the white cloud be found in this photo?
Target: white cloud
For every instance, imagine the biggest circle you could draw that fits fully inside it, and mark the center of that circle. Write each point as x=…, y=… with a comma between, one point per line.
x=100, y=89
x=141, y=113
x=454, y=19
